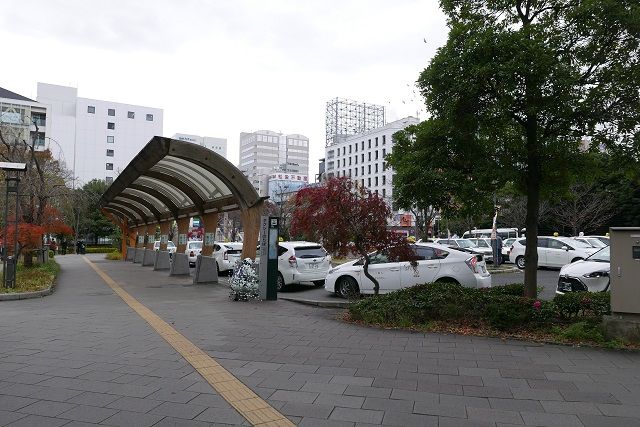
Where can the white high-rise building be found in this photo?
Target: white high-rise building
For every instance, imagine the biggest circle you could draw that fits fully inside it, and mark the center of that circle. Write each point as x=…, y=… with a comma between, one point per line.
x=264, y=152
x=218, y=145
x=361, y=157
x=97, y=138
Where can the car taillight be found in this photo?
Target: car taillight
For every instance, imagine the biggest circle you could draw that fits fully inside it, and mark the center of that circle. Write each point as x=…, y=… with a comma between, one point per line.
x=292, y=261
x=225, y=256
x=472, y=263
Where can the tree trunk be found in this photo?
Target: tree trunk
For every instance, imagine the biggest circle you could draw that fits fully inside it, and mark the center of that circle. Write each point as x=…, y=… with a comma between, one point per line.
x=365, y=269
x=533, y=209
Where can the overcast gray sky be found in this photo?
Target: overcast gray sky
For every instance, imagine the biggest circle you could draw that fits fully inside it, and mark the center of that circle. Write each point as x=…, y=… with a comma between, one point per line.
x=219, y=68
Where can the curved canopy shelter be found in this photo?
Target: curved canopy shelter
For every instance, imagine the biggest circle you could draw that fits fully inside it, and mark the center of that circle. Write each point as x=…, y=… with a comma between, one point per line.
x=173, y=180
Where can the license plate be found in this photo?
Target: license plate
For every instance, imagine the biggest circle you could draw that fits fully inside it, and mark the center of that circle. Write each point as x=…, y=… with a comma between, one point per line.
x=313, y=266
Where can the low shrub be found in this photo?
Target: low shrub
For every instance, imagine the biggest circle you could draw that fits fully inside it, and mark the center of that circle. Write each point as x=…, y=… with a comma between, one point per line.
x=114, y=256
x=36, y=278
x=51, y=254
x=574, y=305
x=100, y=250
x=582, y=331
x=515, y=289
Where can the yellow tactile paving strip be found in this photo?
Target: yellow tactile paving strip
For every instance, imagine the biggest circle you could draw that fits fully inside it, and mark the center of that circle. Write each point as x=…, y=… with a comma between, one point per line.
x=246, y=402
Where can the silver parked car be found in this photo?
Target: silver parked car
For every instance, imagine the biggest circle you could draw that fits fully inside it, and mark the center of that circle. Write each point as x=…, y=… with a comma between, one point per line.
x=591, y=274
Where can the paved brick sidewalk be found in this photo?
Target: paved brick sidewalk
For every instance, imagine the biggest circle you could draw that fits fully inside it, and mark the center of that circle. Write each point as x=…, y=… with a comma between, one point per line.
x=67, y=355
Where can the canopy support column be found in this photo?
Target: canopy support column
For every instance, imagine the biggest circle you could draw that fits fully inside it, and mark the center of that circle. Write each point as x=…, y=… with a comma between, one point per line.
x=183, y=229
x=251, y=227
x=210, y=221
x=165, y=226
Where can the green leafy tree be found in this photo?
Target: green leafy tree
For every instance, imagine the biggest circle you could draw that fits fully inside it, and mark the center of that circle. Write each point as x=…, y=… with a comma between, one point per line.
x=522, y=82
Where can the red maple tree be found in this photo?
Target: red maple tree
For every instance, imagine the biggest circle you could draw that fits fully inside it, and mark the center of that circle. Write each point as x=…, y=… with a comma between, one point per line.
x=347, y=219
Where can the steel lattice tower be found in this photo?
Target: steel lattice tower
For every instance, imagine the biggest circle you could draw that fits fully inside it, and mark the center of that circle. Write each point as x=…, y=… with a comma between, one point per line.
x=346, y=117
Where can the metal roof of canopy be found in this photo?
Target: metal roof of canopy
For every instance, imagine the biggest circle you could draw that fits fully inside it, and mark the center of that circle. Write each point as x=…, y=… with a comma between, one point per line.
x=169, y=179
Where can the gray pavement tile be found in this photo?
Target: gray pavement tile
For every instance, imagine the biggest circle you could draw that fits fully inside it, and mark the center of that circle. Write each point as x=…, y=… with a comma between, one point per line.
x=570, y=407
x=324, y=387
x=357, y=415
x=12, y=403
x=221, y=415
x=277, y=383
x=392, y=418
x=180, y=422
x=55, y=393
x=100, y=375
x=134, y=379
x=588, y=396
x=395, y=383
x=356, y=390
x=173, y=396
x=131, y=390
x=90, y=414
x=178, y=410
x=349, y=380
x=552, y=385
x=494, y=415
x=479, y=372
x=454, y=400
x=431, y=408
x=126, y=419
x=430, y=387
x=388, y=404
x=93, y=399
x=470, y=390
x=23, y=390
x=7, y=417
x=341, y=400
x=296, y=367
x=38, y=421
x=294, y=396
x=46, y=408
x=458, y=422
x=529, y=374
x=307, y=410
x=550, y=420
x=316, y=422
x=134, y=404
x=603, y=421
x=516, y=405
x=78, y=384
x=331, y=370
x=535, y=394
x=28, y=378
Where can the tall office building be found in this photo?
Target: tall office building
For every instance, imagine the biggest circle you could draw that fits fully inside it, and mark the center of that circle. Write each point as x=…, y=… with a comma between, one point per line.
x=362, y=157
x=218, y=145
x=23, y=119
x=97, y=138
x=264, y=152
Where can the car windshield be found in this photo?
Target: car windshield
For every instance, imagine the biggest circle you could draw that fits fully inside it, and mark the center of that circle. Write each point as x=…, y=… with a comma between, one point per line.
x=310, y=252
x=170, y=244
x=195, y=245
x=508, y=242
x=603, y=255
x=466, y=244
x=596, y=243
x=575, y=243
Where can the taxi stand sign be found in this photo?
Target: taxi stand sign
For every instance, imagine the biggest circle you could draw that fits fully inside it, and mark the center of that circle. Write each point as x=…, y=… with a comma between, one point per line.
x=269, y=257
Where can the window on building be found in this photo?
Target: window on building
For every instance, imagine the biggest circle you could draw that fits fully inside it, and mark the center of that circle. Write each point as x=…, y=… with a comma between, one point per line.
x=111, y=125
x=149, y=117
x=376, y=141
x=362, y=157
x=109, y=180
x=384, y=179
x=355, y=147
x=376, y=154
x=369, y=153
x=131, y=115
x=355, y=172
x=384, y=152
x=110, y=153
x=109, y=166
x=356, y=159
x=369, y=181
x=362, y=171
x=384, y=192
x=376, y=181
x=376, y=168
x=384, y=166
x=91, y=109
x=369, y=143
x=349, y=161
x=384, y=139
x=110, y=139
x=362, y=145
x=349, y=149
x=369, y=169
x=111, y=111
x=363, y=182
x=344, y=150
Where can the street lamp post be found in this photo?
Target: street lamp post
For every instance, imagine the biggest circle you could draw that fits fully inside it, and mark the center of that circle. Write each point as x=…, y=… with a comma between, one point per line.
x=12, y=179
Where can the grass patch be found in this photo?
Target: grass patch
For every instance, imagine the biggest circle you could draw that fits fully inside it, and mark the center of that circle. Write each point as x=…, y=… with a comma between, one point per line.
x=36, y=278
x=114, y=256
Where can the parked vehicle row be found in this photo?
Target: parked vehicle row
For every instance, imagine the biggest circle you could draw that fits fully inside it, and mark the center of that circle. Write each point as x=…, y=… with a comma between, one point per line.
x=552, y=251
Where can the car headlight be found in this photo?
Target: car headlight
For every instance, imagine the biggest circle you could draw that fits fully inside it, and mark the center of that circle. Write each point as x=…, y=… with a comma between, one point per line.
x=596, y=274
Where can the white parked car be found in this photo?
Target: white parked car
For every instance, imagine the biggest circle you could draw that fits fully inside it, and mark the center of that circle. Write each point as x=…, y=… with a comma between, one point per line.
x=435, y=263
x=552, y=251
x=591, y=274
x=594, y=242
x=226, y=255
x=302, y=262
x=171, y=247
x=506, y=248
x=468, y=245
x=484, y=247
x=193, y=249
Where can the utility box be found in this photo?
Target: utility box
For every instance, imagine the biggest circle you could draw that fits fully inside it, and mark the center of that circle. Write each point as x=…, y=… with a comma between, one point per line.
x=624, y=275
x=268, y=270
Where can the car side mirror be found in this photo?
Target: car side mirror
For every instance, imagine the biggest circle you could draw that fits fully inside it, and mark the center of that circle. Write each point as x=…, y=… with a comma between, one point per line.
x=566, y=248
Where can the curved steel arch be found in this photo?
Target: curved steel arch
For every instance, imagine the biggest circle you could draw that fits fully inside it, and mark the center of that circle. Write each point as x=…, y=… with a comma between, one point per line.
x=133, y=209
x=145, y=203
x=123, y=212
x=180, y=185
x=158, y=195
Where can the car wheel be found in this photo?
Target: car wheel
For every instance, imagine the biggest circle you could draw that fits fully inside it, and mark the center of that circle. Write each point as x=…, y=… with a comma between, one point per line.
x=520, y=262
x=280, y=283
x=347, y=287
x=577, y=259
x=447, y=280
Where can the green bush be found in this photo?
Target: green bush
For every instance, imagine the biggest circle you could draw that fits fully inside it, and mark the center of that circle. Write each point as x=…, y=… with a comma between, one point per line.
x=100, y=250
x=582, y=331
x=574, y=305
x=515, y=289
x=51, y=254
x=114, y=256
